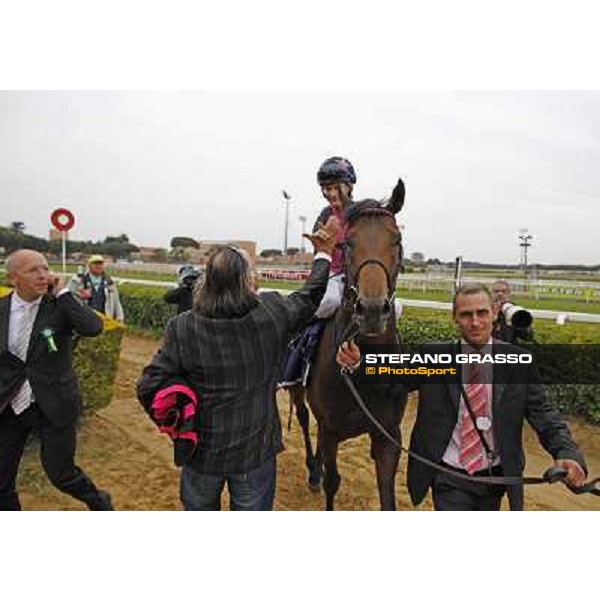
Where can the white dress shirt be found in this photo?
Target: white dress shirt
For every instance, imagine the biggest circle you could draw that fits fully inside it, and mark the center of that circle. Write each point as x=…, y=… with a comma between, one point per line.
x=18, y=306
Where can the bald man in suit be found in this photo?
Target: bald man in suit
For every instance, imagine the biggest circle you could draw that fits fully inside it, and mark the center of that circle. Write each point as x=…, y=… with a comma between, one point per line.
x=38, y=387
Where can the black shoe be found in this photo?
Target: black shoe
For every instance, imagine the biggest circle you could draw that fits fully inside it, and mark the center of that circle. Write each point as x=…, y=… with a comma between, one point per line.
x=103, y=501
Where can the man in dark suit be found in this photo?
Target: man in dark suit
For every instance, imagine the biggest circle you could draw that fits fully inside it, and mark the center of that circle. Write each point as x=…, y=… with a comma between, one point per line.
x=228, y=349
x=447, y=432
x=38, y=387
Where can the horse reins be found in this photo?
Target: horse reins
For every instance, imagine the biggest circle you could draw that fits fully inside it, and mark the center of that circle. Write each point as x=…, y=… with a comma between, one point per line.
x=552, y=475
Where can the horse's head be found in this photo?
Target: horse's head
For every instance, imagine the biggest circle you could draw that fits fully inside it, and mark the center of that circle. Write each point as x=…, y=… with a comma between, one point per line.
x=373, y=255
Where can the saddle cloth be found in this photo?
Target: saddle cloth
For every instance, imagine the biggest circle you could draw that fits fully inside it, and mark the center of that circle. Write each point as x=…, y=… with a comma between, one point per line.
x=300, y=355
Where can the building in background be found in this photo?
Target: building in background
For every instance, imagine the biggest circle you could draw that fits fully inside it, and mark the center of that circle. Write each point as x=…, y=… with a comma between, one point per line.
x=206, y=247
x=56, y=236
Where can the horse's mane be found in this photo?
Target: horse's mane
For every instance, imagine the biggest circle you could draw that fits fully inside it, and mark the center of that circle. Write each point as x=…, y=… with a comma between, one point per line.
x=367, y=206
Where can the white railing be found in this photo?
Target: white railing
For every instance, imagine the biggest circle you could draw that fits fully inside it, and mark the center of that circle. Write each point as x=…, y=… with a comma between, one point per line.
x=560, y=317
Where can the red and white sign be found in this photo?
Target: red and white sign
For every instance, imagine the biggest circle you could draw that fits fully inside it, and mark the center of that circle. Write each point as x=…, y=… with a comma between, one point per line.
x=62, y=219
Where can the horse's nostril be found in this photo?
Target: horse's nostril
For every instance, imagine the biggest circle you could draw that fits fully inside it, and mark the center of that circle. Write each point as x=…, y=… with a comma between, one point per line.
x=386, y=307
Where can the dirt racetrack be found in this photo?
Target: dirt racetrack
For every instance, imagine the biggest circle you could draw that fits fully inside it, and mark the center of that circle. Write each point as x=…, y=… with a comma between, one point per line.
x=120, y=448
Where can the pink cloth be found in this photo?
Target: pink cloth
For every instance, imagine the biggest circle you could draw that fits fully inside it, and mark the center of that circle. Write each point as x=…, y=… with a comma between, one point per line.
x=171, y=415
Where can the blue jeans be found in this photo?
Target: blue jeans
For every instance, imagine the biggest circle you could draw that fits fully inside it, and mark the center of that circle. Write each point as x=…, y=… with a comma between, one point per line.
x=254, y=490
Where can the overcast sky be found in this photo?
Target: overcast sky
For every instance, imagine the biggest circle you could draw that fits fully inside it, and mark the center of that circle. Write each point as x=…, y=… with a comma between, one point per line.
x=478, y=167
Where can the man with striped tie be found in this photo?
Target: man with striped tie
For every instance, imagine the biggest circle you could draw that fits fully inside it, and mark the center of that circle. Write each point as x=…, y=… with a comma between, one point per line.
x=482, y=437
x=38, y=387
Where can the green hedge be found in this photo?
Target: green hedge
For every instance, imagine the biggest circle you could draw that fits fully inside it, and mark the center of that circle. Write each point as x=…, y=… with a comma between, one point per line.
x=145, y=308
x=96, y=361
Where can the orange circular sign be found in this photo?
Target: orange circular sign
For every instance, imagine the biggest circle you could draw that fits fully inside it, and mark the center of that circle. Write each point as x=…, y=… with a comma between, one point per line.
x=62, y=219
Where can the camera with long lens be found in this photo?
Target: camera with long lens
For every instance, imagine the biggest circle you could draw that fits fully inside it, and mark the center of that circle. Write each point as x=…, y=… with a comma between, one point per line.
x=190, y=281
x=187, y=276
x=517, y=323
x=516, y=316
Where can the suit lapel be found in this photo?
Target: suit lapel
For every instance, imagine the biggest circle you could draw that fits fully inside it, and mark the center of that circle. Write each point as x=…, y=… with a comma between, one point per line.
x=4, y=319
x=453, y=382
x=38, y=324
x=499, y=382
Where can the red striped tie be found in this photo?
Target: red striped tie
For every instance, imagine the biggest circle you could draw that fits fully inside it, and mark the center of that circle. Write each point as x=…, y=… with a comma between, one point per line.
x=471, y=454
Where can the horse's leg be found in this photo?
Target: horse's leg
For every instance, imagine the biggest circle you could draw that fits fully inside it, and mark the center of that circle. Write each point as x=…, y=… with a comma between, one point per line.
x=319, y=459
x=386, y=457
x=331, y=477
x=303, y=416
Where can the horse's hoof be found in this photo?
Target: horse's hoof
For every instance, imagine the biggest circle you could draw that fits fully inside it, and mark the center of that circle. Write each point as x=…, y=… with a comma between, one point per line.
x=314, y=487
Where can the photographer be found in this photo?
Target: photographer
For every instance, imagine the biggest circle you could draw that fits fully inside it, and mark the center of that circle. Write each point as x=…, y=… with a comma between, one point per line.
x=518, y=324
x=183, y=294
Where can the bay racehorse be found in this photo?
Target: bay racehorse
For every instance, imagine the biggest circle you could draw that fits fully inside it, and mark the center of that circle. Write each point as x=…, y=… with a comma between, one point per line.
x=372, y=256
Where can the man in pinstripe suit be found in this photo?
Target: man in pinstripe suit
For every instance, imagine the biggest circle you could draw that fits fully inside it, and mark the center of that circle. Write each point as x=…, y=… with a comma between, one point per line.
x=229, y=349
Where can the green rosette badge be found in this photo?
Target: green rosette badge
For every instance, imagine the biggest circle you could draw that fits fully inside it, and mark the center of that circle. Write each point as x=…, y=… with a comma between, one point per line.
x=48, y=335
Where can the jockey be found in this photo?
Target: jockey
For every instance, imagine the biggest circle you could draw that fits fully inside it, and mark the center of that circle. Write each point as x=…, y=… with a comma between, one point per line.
x=336, y=177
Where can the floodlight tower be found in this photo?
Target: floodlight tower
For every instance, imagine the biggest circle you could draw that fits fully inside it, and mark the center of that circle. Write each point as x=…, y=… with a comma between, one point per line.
x=287, y=199
x=525, y=242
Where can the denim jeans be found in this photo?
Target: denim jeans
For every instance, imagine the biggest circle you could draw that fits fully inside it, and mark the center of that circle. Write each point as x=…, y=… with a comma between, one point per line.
x=254, y=490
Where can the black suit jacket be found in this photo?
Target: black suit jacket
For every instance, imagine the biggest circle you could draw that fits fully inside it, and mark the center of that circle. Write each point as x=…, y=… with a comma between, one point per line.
x=512, y=403
x=50, y=374
x=233, y=366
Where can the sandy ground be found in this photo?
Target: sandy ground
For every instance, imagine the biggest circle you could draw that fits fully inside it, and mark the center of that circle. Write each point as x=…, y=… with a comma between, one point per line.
x=122, y=451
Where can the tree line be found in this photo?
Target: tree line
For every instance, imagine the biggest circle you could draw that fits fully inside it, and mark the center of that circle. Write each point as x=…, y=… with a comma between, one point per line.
x=14, y=237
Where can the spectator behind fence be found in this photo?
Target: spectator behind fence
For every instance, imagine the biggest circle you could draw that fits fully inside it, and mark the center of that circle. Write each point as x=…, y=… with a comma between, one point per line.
x=97, y=289
x=228, y=350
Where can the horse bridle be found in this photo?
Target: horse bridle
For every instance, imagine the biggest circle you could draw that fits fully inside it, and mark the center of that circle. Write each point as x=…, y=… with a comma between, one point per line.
x=351, y=290
x=353, y=287
x=351, y=293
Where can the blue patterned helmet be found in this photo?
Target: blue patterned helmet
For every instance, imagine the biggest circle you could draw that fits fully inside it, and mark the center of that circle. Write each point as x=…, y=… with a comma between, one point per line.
x=336, y=169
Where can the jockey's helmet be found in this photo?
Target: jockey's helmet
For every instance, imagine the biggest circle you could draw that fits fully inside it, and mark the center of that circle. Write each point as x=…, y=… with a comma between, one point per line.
x=336, y=169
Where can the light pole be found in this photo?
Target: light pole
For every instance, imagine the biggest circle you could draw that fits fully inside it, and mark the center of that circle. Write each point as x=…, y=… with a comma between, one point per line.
x=287, y=199
x=525, y=243
x=303, y=221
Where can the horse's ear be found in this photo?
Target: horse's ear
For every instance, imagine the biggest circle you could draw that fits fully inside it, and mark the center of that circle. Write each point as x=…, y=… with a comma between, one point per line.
x=396, y=202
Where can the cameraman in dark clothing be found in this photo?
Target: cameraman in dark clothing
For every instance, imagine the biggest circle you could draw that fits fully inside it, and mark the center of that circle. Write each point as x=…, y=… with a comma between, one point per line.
x=518, y=328
x=183, y=294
